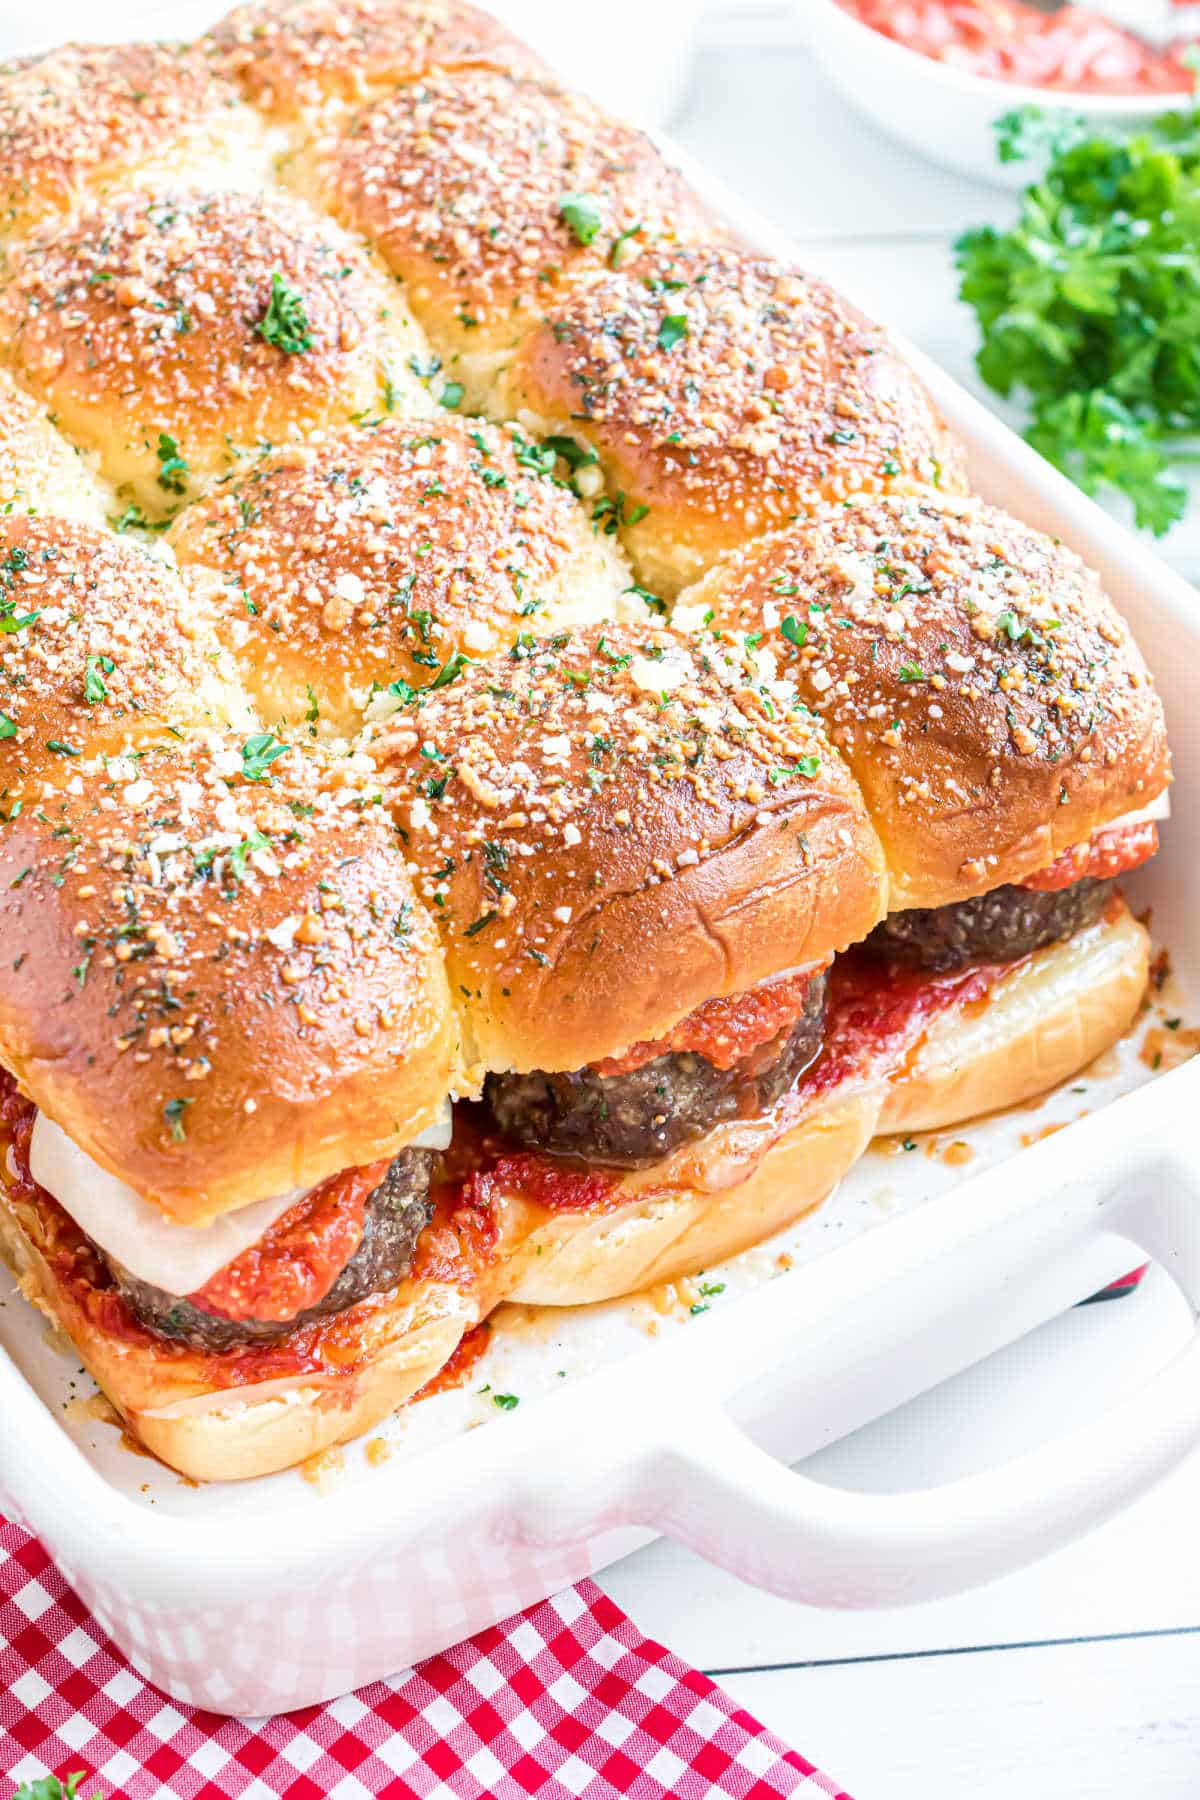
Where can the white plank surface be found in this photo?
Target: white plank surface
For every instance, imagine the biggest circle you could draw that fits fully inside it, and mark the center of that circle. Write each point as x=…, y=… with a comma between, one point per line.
x=1078, y=1679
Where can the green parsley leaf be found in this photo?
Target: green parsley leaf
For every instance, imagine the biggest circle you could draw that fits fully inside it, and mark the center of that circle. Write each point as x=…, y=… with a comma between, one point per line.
x=95, y=668
x=172, y=468
x=794, y=630
x=49, y=1787
x=583, y=213
x=451, y=395
x=672, y=331
x=912, y=672
x=258, y=753
x=285, y=322
x=173, y=1113
x=506, y=1402
x=576, y=456
x=7, y=728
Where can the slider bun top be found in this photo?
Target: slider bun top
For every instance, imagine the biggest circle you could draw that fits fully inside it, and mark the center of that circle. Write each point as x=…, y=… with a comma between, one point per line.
x=168, y=334
x=725, y=394
x=365, y=561
x=98, y=652
x=611, y=828
x=85, y=118
x=39, y=471
x=462, y=182
x=221, y=988
x=291, y=56
x=985, y=691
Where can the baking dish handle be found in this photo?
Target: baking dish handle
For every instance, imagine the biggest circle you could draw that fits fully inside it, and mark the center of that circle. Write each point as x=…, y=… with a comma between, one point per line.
x=741, y=1508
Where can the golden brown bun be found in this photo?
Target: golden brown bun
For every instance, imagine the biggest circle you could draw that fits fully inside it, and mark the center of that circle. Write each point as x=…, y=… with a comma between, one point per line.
x=294, y=56
x=100, y=652
x=84, y=119
x=336, y=569
x=611, y=831
x=39, y=471
x=233, y=1433
x=725, y=394
x=223, y=989
x=141, y=326
x=459, y=181
x=1047, y=1018
x=987, y=695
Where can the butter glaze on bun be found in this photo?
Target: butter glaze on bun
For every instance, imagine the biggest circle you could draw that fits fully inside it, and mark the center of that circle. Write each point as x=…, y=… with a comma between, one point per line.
x=359, y=565
x=223, y=987
x=295, y=57
x=986, y=693
x=491, y=197
x=725, y=394
x=171, y=334
x=610, y=831
x=101, y=653
x=85, y=119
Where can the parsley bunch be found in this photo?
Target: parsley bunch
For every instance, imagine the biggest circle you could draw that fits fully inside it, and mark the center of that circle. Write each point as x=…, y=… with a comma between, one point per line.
x=1089, y=306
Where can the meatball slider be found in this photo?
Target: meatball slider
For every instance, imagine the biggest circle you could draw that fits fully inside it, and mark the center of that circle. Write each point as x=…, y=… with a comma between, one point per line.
x=228, y=1018
x=1004, y=730
x=350, y=573
x=492, y=198
x=172, y=334
x=84, y=120
x=641, y=869
x=724, y=395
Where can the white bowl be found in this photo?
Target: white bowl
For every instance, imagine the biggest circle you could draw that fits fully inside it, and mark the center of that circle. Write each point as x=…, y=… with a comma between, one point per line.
x=947, y=113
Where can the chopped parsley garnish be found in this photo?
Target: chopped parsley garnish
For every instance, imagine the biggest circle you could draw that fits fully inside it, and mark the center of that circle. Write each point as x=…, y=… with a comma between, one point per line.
x=95, y=669
x=451, y=395
x=576, y=456
x=173, y=1113
x=795, y=631
x=912, y=672
x=654, y=601
x=7, y=727
x=172, y=468
x=61, y=749
x=506, y=1402
x=285, y=323
x=672, y=331
x=481, y=923
x=583, y=213
x=258, y=753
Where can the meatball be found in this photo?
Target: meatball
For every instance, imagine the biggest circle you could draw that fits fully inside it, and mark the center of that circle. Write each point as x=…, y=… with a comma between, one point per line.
x=638, y=1118
x=396, y=1214
x=998, y=927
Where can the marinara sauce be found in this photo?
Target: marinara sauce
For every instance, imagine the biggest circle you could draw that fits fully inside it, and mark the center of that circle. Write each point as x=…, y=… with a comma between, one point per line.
x=1073, y=50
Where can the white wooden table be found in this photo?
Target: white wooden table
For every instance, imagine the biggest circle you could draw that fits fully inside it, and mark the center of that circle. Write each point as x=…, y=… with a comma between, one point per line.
x=1078, y=1679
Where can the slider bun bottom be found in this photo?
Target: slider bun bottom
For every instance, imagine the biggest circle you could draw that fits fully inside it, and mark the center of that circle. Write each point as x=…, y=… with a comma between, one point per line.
x=1046, y=1019
x=1043, y=1021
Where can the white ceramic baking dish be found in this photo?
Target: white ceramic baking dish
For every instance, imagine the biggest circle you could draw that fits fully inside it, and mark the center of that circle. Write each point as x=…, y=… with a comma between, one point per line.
x=678, y=1413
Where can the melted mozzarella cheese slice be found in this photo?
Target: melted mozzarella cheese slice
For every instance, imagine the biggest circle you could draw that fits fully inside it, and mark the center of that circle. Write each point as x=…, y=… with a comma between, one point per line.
x=177, y=1258
x=1157, y=809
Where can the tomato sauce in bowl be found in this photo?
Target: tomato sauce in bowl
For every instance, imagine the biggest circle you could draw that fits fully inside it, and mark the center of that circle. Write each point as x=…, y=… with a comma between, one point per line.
x=1070, y=51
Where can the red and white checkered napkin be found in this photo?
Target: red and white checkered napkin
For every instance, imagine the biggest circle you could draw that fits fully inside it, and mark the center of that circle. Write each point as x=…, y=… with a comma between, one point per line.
x=566, y=1702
